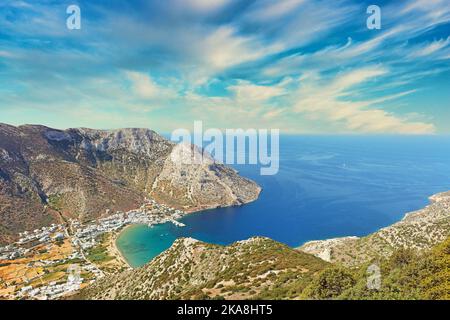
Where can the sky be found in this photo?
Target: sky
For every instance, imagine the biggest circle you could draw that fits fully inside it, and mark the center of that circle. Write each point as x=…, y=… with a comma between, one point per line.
x=306, y=67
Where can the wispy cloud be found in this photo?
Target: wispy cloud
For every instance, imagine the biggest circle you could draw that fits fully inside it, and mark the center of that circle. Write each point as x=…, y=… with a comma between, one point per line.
x=327, y=101
x=202, y=6
x=247, y=92
x=429, y=48
x=146, y=88
x=306, y=66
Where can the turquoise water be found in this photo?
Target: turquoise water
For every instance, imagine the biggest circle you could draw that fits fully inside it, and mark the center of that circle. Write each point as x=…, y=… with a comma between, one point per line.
x=326, y=187
x=139, y=243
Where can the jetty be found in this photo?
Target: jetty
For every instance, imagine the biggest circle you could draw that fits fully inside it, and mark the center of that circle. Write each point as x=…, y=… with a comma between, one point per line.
x=178, y=223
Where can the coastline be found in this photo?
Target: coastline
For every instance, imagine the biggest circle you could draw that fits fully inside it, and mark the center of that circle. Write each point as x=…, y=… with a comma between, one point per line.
x=118, y=255
x=432, y=199
x=327, y=249
x=419, y=229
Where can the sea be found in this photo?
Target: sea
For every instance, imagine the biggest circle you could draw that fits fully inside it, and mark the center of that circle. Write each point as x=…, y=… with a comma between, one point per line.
x=326, y=187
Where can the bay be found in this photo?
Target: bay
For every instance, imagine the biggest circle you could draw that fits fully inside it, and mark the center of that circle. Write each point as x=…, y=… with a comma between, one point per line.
x=327, y=186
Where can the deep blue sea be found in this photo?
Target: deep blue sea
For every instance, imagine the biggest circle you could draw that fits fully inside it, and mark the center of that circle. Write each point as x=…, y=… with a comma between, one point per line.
x=327, y=186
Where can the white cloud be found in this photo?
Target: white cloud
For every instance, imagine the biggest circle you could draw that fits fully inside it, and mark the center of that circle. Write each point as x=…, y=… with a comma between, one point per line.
x=249, y=105
x=6, y=54
x=324, y=101
x=264, y=10
x=145, y=87
x=332, y=56
x=225, y=48
x=193, y=41
x=246, y=92
x=271, y=114
x=297, y=23
x=436, y=11
x=350, y=79
x=429, y=48
x=203, y=6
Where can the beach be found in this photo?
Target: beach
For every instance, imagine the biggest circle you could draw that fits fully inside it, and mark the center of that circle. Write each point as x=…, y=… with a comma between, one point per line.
x=114, y=250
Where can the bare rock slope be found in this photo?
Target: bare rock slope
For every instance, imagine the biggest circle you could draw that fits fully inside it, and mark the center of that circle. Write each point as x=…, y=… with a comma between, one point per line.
x=49, y=175
x=215, y=184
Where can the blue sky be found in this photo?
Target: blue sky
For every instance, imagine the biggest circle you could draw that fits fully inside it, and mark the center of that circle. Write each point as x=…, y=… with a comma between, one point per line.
x=297, y=65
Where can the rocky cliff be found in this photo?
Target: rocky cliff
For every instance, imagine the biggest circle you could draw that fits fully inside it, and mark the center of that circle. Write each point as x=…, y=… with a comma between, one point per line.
x=49, y=175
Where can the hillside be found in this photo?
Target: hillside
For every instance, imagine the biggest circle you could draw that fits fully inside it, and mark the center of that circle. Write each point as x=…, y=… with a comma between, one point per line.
x=191, y=269
x=419, y=230
x=49, y=175
x=406, y=275
x=260, y=268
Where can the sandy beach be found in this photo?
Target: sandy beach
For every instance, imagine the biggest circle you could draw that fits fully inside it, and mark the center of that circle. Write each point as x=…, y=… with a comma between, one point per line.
x=114, y=251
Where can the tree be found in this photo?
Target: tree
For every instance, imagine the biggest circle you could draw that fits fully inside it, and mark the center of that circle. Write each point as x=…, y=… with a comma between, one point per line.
x=330, y=283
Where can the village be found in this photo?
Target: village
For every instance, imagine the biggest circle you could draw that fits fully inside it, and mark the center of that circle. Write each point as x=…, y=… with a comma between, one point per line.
x=151, y=213
x=56, y=261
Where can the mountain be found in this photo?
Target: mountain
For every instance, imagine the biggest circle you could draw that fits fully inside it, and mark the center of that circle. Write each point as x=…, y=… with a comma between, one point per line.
x=419, y=230
x=191, y=269
x=49, y=175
